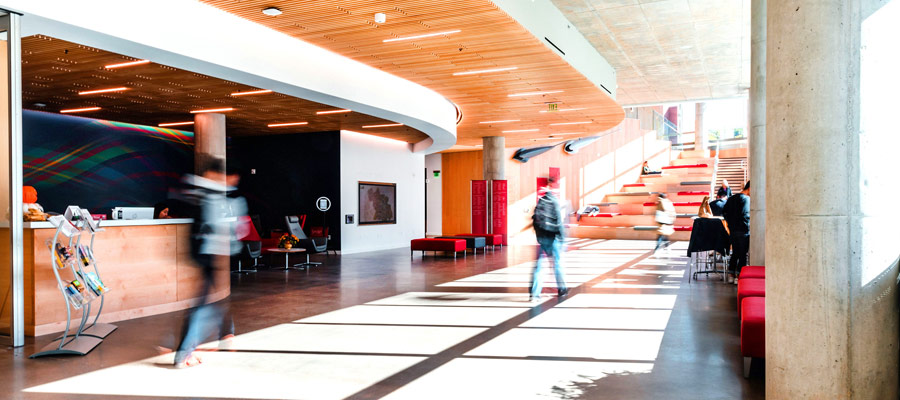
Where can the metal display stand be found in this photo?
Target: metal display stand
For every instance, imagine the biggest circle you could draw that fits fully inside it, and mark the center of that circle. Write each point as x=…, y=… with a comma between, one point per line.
x=75, y=258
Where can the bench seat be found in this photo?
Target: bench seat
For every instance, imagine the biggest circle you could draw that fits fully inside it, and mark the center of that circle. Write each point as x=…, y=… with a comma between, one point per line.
x=753, y=272
x=753, y=330
x=433, y=244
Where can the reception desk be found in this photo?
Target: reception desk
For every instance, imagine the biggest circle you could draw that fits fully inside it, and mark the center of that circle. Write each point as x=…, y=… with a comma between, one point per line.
x=145, y=263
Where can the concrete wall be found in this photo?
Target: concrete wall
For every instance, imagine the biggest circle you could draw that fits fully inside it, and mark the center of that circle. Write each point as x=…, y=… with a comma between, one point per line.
x=433, y=189
x=373, y=159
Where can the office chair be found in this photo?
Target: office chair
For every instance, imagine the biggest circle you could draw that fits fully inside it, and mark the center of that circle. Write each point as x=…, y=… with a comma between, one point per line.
x=312, y=245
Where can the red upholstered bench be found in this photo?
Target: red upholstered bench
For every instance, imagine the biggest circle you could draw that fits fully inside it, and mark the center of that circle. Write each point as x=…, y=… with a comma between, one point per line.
x=753, y=330
x=490, y=238
x=429, y=244
x=750, y=288
x=753, y=272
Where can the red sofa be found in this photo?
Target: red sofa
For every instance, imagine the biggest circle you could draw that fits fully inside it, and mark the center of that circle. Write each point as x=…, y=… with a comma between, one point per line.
x=753, y=330
x=430, y=244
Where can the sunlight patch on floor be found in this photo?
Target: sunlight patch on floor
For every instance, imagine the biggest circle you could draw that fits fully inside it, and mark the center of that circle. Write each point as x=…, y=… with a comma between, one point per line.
x=473, y=378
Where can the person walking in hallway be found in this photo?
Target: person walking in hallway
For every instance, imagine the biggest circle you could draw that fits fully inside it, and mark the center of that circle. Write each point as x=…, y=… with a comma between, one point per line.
x=549, y=229
x=737, y=216
x=211, y=242
x=665, y=217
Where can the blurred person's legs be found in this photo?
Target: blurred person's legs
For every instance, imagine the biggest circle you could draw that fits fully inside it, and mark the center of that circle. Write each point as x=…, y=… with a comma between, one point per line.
x=205, y=318
x=545, y=247
x=659, y=241
x=561, y=287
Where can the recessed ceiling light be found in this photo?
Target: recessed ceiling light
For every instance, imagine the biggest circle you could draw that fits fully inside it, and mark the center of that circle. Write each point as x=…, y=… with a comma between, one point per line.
x=564, y=110
x=176, y=123
x=209, y=110
x=522, y=130
x=498, y=122
x=127, y=64
x=262, y=91
x=380, y=126
x=332, y=112
x=571, y=123
x=380, y=18
x=271, y=11
x=287, y=124
x=78, y=110
x=534, y=93
x=427, y=35
x=39, y=105
x=484, y=71
x=115, y=89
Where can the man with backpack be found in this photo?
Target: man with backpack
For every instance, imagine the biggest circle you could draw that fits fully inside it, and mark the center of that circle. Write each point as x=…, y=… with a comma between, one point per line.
x=549, y=228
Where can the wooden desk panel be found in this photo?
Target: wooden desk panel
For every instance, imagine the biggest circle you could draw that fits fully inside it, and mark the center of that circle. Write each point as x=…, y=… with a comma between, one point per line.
x=147, y=269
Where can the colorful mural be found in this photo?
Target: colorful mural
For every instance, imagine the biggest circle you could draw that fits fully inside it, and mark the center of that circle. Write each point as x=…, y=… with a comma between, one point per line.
x=100, y=164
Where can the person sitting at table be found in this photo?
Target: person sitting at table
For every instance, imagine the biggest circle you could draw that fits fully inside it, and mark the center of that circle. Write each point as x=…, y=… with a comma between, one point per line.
x=726, y=188
x=645, y=170
x=717, y=205
x=161, y=211
x=704, y=211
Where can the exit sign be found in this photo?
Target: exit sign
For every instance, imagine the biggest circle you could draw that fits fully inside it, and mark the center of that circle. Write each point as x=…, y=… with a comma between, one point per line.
x=552, y=107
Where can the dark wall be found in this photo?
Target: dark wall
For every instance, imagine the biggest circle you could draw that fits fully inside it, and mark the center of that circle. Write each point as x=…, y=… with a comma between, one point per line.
x=292, y=171
x=99, y=164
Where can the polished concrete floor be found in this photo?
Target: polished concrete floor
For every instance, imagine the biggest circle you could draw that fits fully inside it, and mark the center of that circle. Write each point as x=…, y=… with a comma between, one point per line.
x=383, y=325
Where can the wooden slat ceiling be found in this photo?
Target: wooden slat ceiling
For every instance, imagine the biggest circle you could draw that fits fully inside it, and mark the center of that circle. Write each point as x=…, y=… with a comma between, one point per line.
x=488, y=38
x=54, y=71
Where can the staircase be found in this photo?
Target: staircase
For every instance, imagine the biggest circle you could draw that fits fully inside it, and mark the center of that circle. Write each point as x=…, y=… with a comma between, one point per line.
x=733, y=169
x=631, y=213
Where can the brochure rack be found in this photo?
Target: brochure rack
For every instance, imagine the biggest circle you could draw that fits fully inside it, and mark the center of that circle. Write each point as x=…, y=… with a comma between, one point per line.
x=69, y=257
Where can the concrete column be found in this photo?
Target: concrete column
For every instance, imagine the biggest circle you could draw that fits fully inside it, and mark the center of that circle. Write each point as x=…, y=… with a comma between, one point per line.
x=209, y=136
x=757, y=125
x=701, y=141
x=494, y=156
x=831, y=297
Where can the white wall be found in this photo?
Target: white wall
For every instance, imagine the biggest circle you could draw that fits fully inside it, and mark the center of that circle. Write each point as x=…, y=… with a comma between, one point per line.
x=374, y=159
x=434, y=205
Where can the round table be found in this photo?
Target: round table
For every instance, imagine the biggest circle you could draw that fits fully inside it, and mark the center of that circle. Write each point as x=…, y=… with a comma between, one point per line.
x=287, y=254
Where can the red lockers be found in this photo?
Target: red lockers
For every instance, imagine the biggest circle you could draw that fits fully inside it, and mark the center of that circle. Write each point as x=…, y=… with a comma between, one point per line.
x=499, y=205
x=489, y=208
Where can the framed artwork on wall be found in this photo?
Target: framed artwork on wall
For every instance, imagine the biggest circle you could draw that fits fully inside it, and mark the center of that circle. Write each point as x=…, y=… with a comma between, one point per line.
x=377, y=203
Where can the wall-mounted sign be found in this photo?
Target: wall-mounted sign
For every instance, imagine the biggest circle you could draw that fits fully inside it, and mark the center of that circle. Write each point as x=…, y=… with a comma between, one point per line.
x=323, y=204
x=437, y=173
x=348, y=219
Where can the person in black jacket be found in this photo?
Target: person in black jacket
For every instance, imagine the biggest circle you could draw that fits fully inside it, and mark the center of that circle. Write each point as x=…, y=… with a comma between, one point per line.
x=737, y=215
x=718, y=205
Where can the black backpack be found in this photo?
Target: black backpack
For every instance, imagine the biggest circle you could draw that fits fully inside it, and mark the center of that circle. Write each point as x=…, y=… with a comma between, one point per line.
x=546, y=216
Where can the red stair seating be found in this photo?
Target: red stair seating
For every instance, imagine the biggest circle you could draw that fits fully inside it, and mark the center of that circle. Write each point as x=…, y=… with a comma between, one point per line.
x=750, y=288
x=686, y=166
x=635, y=185
x=430, y=244
x=680, y=204
x=753, y=272
x=753, y=330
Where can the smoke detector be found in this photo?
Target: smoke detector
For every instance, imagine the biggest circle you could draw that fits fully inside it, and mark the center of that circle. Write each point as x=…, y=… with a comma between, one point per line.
x=380, y=18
